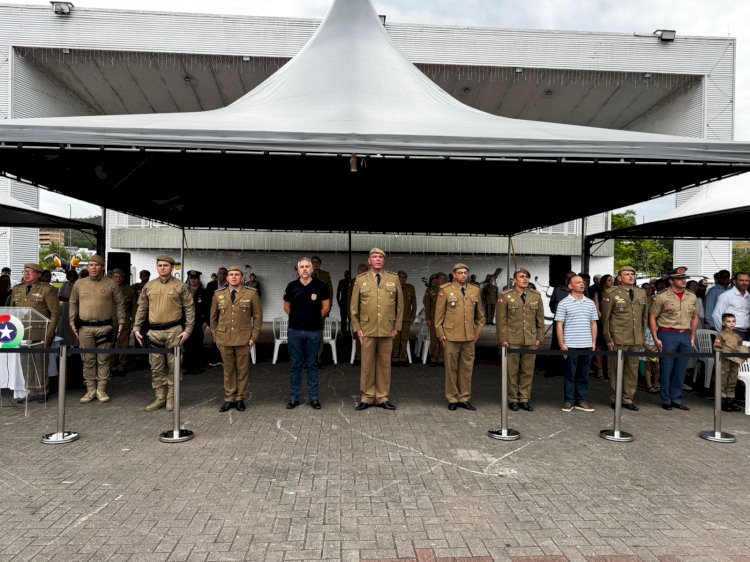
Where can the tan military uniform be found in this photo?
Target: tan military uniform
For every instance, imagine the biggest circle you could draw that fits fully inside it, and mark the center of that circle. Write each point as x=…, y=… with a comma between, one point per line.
x=376, y=310
x=43, y=299
x=727, y=342
x=162, y=304
x=95, y=305
x=401, y=342
x=521, y=325
x=672, y=312
x=233, y=326
x=459, y=318
x=490, y=296
x=624, y=325
x=430, y=301
x=130, y=304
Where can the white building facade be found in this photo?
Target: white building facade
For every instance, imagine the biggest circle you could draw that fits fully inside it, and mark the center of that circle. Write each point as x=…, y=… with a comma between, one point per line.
x=101, y=61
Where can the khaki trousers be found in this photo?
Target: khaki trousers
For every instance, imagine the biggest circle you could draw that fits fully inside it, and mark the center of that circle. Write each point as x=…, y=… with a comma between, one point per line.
x=375, y=373
x=95, y=366
x=520, y=374
x=120, y=362
x=401, y=342
x=459, y=365
x=629, y=375
x=162, y=366
x=236, y=359
x=729, y=372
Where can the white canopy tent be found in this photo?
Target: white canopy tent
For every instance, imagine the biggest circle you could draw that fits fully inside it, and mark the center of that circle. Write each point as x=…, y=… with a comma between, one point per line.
x=350, y=92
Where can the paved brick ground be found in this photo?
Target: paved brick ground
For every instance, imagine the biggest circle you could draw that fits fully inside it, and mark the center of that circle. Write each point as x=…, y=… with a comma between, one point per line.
x=422, y=483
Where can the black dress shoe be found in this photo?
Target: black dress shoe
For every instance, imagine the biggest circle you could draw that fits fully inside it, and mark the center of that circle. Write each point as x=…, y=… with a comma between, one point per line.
x=666, y=406
x=452, y=406
x=226, y=406
x=316, y=404
x=632, y=407
x=526, y=406
x=468, y=405
x=387, y=405
x=679, y=406
x=292, y=404
x=241, y=406
x=513, y=406
x=363, y=406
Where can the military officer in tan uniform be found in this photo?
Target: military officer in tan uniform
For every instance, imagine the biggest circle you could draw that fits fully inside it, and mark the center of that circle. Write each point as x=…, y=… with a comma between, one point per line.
x=119, y=363
x=459, y=319
x=96, y=306
x=624, y=321
x=236, y=319
x=361, y=268
x=430, y=301
x=31, y=293
x=490, y=296
x=377, y=311
x=165, y=303
x=520, y=325
x=673, y=320
x=410, y=312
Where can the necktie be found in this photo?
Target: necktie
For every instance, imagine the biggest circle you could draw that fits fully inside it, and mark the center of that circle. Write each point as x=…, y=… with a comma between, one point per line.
x=377, y=279
x=523, y=297
x=234, y=295
x=28, y=289
x=631, y=293
x=463, y=291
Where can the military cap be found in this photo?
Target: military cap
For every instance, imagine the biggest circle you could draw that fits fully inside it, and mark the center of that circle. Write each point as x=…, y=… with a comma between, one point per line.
x=117, y=271
x=33, y=267
x=460, y=265
x=377, y=251
x=522, y=270
x=677, y=273
x=97, y=259
x=625, y=268
x=194, y=273
x=234, y=268
x=168, y=259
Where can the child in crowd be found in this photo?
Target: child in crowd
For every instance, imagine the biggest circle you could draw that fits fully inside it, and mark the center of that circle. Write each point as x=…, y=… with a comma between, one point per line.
x=728, y=341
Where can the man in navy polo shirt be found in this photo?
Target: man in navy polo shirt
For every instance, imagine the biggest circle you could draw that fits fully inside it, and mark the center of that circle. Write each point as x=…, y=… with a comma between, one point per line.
x=307, y=302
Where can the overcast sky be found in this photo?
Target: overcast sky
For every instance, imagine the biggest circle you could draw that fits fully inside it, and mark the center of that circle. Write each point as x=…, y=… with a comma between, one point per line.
x=688, y=17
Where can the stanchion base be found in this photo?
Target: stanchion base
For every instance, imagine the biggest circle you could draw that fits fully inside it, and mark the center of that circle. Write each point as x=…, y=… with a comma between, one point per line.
x=504, y=434
x=64, y=437
x=176, y=437
x=718, y=436
x=621, y=437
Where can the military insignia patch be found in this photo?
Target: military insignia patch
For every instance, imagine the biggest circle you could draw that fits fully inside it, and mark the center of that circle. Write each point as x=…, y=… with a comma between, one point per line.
x=11, y=331
x=314, y=297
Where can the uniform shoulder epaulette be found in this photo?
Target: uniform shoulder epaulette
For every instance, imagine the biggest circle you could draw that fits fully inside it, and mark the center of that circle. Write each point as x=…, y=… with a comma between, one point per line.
x=474, y=283
x=611, y=289
x=250, y=288
x=507, y=291
x=533, y=291
x=446, y=285
x=222, y=289
x=662, y=291
x=362, y=274
x=391, y=272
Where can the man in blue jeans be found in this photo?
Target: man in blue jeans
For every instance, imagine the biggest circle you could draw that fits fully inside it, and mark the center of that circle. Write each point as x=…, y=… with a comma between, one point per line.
x=307, y=302
x=575, y=322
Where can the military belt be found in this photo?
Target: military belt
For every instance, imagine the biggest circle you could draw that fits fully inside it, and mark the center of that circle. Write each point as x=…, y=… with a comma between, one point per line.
x=675, y=330
x=95, y=323
x=164, y=326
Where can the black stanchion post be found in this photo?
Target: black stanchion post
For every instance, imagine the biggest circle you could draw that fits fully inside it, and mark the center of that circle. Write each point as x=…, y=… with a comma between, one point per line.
x=504, y=434
x=716, y=434
x=615, y=434
x=176, y=435
x=61, y=436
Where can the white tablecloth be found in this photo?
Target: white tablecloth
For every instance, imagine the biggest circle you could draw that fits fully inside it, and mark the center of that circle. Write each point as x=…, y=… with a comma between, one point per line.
x=11, y=374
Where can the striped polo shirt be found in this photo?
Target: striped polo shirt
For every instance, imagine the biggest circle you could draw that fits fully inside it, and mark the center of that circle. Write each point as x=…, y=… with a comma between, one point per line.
x=576, y=316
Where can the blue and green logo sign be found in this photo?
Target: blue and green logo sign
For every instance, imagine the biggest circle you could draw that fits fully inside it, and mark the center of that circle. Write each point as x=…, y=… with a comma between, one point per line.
x=11, y=331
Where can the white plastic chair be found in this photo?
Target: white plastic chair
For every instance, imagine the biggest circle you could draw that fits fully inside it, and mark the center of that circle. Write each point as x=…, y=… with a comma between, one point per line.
x=424, y=330
x=280, y=335
x=330, y=332
x=744, y=376
x=704, y=343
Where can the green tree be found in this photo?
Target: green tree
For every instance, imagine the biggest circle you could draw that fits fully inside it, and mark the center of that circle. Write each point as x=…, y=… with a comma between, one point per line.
x=648, y=257
x=740, y=259
x=77, y=239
